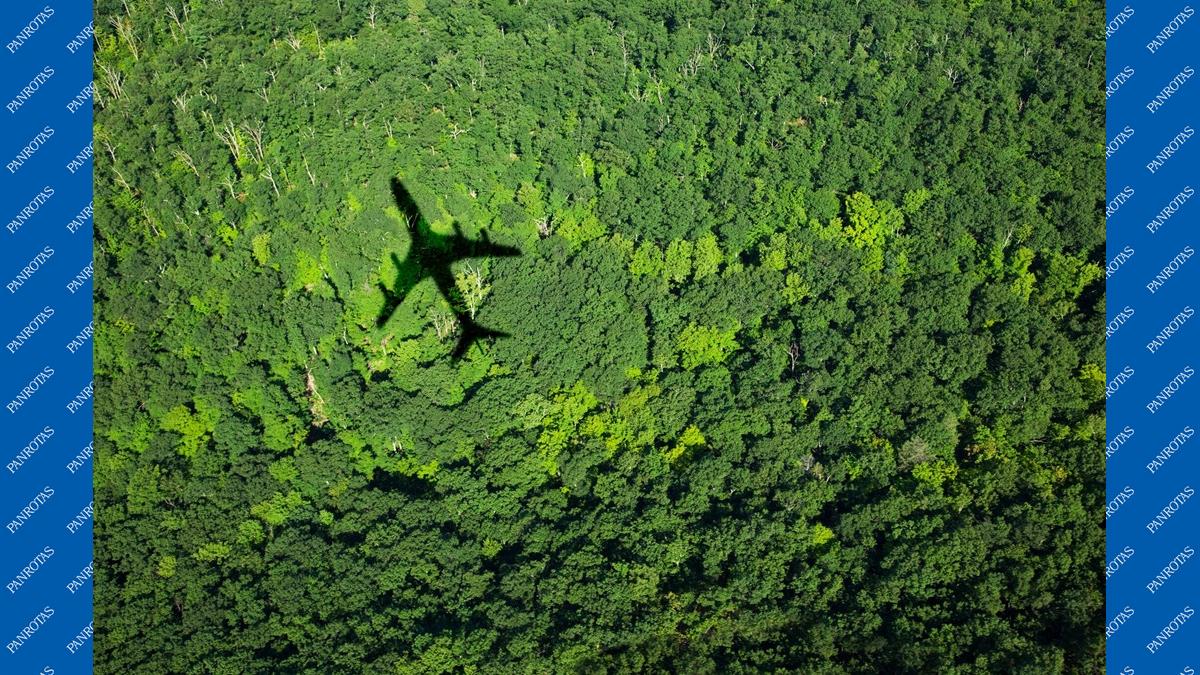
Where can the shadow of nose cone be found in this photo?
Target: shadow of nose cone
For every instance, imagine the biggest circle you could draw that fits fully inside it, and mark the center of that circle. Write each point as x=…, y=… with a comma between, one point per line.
x=405, y=201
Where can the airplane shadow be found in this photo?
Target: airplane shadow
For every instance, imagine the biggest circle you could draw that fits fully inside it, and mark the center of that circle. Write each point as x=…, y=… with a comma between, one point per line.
x=430, y=255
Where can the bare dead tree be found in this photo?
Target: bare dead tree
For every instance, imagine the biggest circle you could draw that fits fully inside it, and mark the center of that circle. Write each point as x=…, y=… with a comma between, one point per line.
x=472, y=286
x=444, y=325
x=266, y=173
x=150, y=221
x=255, y=133
x=793, y=356
x=182, y=156
x=112, y=80
x=124, y=183
x=316, y=402
x=714, y=45
x=311, y=179
x=636, y=93
x=175, y=19
x=658, y=88
x=371, y=15
x=124, y=27
x=694, y=61
x=228, y=134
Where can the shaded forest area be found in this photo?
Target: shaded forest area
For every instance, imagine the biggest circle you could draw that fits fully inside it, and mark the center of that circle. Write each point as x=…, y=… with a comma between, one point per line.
x=805, y=360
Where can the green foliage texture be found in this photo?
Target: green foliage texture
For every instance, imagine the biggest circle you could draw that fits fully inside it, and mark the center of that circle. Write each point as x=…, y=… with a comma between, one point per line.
x=801, y=354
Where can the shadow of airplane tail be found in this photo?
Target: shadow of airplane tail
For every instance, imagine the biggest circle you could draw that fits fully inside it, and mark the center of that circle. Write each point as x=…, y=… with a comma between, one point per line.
x=472, y=332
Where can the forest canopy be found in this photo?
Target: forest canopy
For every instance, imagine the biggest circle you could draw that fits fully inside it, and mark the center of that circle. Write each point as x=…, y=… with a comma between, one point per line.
x=802, y=365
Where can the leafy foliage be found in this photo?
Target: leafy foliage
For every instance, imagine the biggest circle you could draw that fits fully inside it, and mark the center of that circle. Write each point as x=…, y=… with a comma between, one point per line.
x=803, y=354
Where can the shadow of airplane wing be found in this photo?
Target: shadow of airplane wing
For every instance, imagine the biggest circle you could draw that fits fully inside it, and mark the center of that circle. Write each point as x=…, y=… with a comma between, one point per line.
x=470, y=331
x=485, y=248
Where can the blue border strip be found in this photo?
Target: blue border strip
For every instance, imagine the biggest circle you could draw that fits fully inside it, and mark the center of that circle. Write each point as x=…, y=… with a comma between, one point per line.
x=45, y=323
x=45, y=326
x=1153, y=391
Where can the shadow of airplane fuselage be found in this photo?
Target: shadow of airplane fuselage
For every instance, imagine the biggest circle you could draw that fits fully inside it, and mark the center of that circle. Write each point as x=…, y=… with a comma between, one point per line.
x=430, y=255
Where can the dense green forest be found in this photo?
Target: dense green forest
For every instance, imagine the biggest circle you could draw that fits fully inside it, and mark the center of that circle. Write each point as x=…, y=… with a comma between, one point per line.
x=804, y=358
